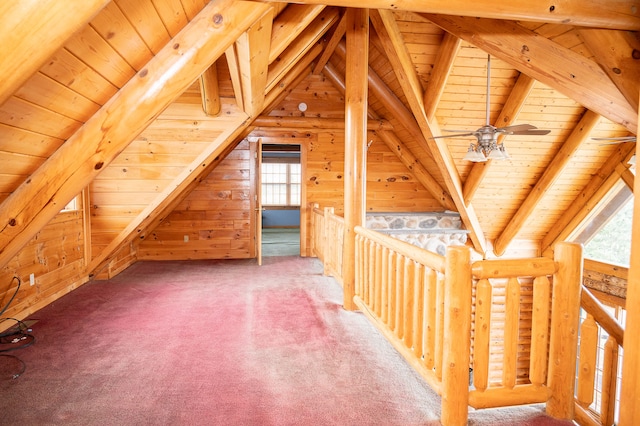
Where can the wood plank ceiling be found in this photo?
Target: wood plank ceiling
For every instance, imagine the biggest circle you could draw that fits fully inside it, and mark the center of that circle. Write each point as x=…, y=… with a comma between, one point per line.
x=89, y=87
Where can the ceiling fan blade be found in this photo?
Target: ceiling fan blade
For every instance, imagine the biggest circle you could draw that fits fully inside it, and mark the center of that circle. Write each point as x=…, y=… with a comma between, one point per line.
x=517, y=128
x=455, y=135
x=620, y=139
x=532, y=132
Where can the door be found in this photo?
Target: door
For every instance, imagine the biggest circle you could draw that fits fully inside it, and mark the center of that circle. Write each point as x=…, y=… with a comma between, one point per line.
x=258, y=201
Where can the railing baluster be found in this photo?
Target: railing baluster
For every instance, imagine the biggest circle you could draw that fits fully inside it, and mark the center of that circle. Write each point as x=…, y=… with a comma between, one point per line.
x=609, y=382
x=482, y=335
x=587, y=365
x=418, y=311
x=398, y=322
x=407, y=306
x=540, y=330
x=439, y=338
x=430, y=297
x=384, y=287
x=393, y=283
x=377, y=285
x=511, y=328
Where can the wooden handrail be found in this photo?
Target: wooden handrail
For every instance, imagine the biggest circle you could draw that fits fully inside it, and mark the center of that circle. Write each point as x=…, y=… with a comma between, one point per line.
x=498, y=268
x=590, y=304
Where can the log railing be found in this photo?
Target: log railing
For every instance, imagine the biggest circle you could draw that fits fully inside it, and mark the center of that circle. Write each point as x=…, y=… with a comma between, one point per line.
x=327, y=240
x=599, y=360
x=512, y=324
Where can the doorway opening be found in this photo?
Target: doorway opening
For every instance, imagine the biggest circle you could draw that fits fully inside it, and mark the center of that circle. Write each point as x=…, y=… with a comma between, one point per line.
x=280, y=177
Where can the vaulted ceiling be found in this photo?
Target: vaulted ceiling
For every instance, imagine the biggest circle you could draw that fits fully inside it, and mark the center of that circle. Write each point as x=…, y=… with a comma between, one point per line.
x=83, y=80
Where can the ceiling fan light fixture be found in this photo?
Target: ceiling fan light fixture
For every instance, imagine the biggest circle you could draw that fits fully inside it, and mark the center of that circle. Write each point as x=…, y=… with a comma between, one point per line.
x=474, y=154
x=495, y=154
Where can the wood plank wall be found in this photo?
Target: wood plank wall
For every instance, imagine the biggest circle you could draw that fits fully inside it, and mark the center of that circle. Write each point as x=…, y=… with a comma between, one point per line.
x=56, y=258
x=215, y=221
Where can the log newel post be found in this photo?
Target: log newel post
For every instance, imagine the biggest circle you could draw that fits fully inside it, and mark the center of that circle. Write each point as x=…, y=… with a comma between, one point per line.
x=565, y=318
x=457, y=336
x=356, y=106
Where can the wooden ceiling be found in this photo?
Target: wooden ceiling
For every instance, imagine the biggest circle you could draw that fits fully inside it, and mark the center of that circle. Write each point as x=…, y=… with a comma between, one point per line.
x=83, y=80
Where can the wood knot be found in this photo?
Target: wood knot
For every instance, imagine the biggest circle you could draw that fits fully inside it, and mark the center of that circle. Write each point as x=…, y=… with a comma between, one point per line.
x=98, y=165
x=12, y=222
x=144, y=72
x=217, y=19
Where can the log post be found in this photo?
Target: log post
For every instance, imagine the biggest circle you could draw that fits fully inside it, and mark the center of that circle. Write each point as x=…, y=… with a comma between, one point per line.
x=457, y=336
x=630, y=392
x=355, y=141
x=565, y=316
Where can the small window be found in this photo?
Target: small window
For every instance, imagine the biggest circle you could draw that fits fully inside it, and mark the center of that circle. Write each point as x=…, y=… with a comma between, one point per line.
x=280, y=184
x=72, y=205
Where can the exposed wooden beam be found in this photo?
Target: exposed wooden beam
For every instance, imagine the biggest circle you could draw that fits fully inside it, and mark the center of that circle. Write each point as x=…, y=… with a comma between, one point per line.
x=546, y=61
x=405, y=71
x=120, y=120
x=440, y=73
x=355, y=143
x=209, y=91
x=399, y=149
x=301, y=45
x=510, y=111
x=579, y=134
x=618, y=53
x=31, y=31
x=630, y=392
x=314, y=123
x=252, y=48
x=626, y=175
x=290, y=23
x=622, y=15
x=592, y=193
x=337, y=35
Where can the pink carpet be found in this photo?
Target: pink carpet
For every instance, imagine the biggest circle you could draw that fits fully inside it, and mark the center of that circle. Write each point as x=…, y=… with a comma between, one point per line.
x=219, y=343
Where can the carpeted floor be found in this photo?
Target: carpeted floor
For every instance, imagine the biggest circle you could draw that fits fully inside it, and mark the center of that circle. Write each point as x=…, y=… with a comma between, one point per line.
x=218, y=343
x=280, y=242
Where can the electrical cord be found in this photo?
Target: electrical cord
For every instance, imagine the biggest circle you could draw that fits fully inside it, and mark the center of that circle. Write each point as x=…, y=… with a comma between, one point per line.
x=17, y=337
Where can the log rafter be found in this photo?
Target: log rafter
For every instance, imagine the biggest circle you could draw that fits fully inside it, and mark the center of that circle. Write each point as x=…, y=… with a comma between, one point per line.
x=402, y=65
x=33, y=31
x=560, y=68
x=579, y=134
x=440, y=73
x=590, y=13
x=85, y=154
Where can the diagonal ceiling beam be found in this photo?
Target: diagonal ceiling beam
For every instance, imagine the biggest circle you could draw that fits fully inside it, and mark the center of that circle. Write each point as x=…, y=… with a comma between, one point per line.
x=510, y=111
x=290, y=23
x=301, y=45
x=120, y=120
x=441, y=70
x=560, y=68
x=400, y=60
x=210, y=92
x=623, y=15
x=337, y=35
x=589, y=197
x=252, y=54
x=580, y=133
x=31, y=31
x=618, y=53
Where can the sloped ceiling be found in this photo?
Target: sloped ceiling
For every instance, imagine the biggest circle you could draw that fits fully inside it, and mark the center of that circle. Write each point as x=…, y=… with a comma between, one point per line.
x=81, y=81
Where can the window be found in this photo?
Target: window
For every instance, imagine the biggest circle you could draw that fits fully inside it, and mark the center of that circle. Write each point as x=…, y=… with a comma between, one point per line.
x=72, y=205
x=607, y=235
x=280, y=184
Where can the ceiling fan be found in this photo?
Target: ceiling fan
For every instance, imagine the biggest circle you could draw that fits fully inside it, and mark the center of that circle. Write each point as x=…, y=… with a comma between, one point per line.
x=487, y=135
